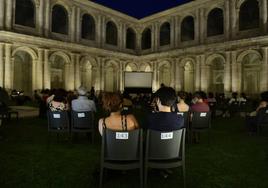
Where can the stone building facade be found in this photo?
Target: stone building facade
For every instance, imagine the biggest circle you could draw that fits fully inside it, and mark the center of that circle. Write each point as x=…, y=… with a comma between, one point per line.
x=210, y=45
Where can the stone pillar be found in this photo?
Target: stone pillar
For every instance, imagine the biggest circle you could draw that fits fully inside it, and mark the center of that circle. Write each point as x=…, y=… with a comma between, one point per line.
x=99, y=28
x=197, y=73
x=67, y=76
x=227, y=73
x=47, y=81
x=264, y=70
x=227, y=31
x=34, y=74
x=8, y=11
x=204, y=73
x=233, y=18
x=172, y=74
x=172, y=32
x=78, y=24
x=156, y=37
x=48, y=13
x=197, y=26
x=2, y=14
x=154, y=87
x=40, y=23
x=202, y=25
x=8, y=67
x=234, y=72
x=138, y=41
x=98, y=75
x=264, y=16
x=71, y=75
x=72, y=25
x=77, y=72
x=177, y=34
x=1, y=64
x=121, y=76
x=39, y=69
x=121, y=36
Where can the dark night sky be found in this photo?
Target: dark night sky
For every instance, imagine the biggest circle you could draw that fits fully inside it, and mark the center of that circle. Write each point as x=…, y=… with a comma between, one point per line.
x=140, y=8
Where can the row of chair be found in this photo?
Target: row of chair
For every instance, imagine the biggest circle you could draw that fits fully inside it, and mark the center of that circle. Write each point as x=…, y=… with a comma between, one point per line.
x=79, y=122
x=123, y=150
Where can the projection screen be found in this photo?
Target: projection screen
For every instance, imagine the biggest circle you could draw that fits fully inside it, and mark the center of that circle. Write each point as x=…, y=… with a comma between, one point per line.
x=138, y=79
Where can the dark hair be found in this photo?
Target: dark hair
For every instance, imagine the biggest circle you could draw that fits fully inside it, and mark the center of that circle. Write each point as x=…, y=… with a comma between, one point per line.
x=112, y=101
x=182, y=95
x=200, y=95
x=166, y=95
x=59, y=95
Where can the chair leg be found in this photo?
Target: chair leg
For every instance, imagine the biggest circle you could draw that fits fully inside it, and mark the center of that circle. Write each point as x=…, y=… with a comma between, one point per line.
x=184, y=175
x=101, y=177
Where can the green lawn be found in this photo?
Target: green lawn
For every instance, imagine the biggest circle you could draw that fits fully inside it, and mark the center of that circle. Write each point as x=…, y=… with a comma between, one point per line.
x=232, y=160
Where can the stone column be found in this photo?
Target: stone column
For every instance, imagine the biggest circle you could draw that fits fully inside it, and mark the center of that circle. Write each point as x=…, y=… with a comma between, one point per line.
x=172, y=74
x=77, y=72
x=197, y=27
x=1, y=64
x=2, y=14
x=204, y=73
x=172, y=32
x=120, y=36
x=177, y=34
x=8, y=67
x=39, y=69
x=227, y=72
x=264, y=71
x=98, y=75
x=154, y=87
x=40, y=11
x=78, y=24
x=34, y=74
x=264, y=16
x=67, y=76
x=48, y=12
x=47, y=82
x=234, y=72
x=227, y=31
x=156, y=37
x=72, y=25
x=138, y=41
x=202, y=25
x=121, y=76
x=233, y=18
x=8, y=11
x=197, y=73
x=99, y=27
x=71, y=76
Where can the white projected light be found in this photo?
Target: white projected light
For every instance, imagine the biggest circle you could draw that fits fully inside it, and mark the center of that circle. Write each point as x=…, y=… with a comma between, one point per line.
x=138, y=79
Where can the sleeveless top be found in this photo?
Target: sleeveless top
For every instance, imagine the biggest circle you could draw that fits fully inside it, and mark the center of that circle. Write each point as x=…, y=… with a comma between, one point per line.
x=123, y=123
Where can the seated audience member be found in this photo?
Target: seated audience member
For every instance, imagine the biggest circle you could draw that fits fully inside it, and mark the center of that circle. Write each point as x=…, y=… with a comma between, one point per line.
x=82, y=103
x=112, y=102
x=181, y=105
x=58, y=103
x=164, y=119
x=199, y=105
x=211, y=98
x=234, y=98
x=243, y=98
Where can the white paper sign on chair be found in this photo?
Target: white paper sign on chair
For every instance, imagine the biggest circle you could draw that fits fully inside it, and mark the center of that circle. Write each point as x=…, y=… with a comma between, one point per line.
x=180, y=113
x=167, y=136
x=203, y=114
x=121, y=136
x=56, y=116
x=81, y=115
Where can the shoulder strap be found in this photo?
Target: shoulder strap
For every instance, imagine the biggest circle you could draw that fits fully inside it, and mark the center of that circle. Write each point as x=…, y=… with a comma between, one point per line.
x=125, y=122
x=104, y=124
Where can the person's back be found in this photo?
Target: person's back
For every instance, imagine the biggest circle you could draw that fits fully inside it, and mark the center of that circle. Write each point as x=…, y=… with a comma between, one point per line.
x=200, y=105
x=112, y=102
x=82, y=103
x=164, y=119
x=181, y=105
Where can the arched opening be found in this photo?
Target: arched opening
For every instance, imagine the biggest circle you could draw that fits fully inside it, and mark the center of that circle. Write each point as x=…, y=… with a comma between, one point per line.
x=131, y=39
x=145, y=67
x=187, y=29
x=216, y=75
x=249, y=16
x=215, y=22
x=25, y=13
x=146, y=40
x=23, y=75
x=111, y=77
x=59, y=20
x=251, y=67
x=131, y=67
x=164, y=74
x=111, y=33
x=88, y=74
x=189, y=76
x=165, y=34
x=88, y=27
x=58, y=72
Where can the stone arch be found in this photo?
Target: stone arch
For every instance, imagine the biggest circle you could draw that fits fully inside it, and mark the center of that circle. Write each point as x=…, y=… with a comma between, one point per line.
x=146, y=38
x=130, y=38
x=165, y=33
x=188, y=28
x=215, y=22
x=164, y=68
x=60, y=19
x=88, y=26
x=131, y=66
x=111, y=78
x=145, y=67
x=26, y=49
x=244, y=53
x=25, y=13
x=111, y=32
x=249, y=14
x=88, y=68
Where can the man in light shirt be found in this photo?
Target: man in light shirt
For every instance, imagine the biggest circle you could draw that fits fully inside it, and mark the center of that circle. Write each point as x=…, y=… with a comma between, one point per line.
x=82, y=103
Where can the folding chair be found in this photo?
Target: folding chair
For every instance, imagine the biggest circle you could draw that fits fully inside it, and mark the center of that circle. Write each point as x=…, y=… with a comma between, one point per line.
x=165, y=150
x=121, y=150
x=186, y=118
x=201, y=122
x=58, y=122
x=262, y=119
x=82, y=122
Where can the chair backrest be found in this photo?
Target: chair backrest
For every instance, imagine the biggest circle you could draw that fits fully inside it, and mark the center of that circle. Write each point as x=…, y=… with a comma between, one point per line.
x=122, y=145
x=165, y=145
x=185, y=116
x=201, y=120
x=82, y=120
x=58, y=120
x=262, y=116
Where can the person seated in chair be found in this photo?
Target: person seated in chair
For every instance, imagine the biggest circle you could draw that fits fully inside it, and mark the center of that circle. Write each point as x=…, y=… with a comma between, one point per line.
x=181, y=105
x=82, y=103
x=164, y=119
x=112, y=102
x=199, y=105
x=59, y=102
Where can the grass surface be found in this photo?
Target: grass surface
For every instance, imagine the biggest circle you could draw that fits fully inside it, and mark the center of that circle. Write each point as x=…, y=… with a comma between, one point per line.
x=232, y=159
